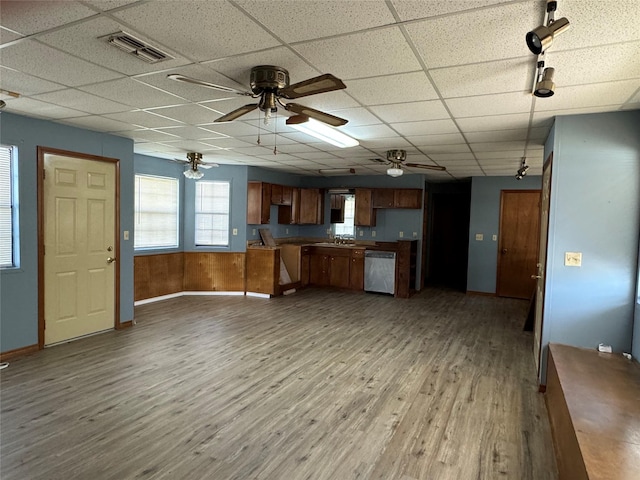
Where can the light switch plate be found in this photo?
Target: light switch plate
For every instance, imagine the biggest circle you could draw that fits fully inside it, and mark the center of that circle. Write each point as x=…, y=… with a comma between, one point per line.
x=235, y=231
x=494, y=237
x=479, y=237
x=373, y=233
x=573, y=259
x=401, y=234
x=126, y=235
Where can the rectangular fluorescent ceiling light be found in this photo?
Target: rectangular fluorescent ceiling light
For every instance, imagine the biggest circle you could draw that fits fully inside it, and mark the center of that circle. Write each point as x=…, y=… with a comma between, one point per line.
x=337, y=171
x=326, y=133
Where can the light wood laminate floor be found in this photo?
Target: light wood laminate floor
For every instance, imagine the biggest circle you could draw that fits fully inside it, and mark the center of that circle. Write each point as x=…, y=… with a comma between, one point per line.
x=317, y=385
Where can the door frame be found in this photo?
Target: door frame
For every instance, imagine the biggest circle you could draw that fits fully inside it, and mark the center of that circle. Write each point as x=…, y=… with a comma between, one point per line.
x=502, y=192
x=42, y=151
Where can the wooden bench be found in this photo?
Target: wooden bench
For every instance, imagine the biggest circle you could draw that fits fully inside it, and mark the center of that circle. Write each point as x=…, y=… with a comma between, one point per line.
x=593, y=401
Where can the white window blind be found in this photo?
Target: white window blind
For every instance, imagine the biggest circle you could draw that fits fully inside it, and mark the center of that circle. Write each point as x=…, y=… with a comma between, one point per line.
x=347, y=228
x=156, y=212
x=6, y=207
x=212, y=213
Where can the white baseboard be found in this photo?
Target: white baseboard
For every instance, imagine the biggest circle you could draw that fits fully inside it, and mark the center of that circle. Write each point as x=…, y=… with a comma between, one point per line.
x=180, y=294
x=258, y=295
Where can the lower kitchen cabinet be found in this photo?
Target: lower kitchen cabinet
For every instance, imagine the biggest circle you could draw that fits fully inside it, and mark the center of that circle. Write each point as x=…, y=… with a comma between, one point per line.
x=319, y=269
x=305, y=260
x=339, y=271
x=336, y=267
x=356, y=272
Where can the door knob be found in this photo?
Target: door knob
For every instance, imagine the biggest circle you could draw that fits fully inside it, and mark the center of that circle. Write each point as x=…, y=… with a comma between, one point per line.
x=535, y=277
x=504, y=250
x=111, y=260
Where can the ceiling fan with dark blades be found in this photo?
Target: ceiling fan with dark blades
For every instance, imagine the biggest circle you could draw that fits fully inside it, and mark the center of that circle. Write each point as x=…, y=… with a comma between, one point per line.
x=194, y=160
x=396, y=158
x=271, y=85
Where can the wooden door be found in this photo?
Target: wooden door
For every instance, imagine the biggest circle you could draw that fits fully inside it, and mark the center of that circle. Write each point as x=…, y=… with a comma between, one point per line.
x=541, y=266
x=518, y=242
x=78, y=246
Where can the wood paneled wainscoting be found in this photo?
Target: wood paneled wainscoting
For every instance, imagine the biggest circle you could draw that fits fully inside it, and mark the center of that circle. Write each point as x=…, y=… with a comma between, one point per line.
x=168, y=273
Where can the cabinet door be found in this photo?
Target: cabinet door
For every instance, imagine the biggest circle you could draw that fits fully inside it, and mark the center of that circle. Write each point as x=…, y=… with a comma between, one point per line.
x=276, y=194
x=408, y=198
x=319, y=270
x=310, y=206
x=258, y=203
x=305, y=260
x=356, y=273
x=286, y=195
x=383, y=197
x=339, y=271
x=365, y=214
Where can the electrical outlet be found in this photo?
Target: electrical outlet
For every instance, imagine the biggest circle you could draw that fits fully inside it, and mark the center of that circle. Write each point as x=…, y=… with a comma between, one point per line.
x=479, y=237
x=573, y=259
x=494, y=237
x=126, y=234
x=235, y=231
x=401, y=234
x=361, y=232
x=286, y=230
x=253, y=231
x=373, y=233
x=415, y=234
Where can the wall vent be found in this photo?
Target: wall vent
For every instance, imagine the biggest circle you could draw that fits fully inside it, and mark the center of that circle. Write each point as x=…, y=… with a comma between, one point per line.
x=137, y=47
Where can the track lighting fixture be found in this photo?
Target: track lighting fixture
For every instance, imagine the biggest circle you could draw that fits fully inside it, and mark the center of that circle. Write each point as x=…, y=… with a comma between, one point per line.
x=522, y=171
x=541, y=38
x=544, y=86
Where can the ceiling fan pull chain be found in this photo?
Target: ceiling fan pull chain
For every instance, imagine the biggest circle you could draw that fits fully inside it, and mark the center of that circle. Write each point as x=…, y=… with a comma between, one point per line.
x=275, y=135
x=258, y=142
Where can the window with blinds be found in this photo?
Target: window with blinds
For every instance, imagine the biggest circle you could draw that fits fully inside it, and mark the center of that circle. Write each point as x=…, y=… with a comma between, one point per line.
x=212, y=213
x=7, y=207
x=156, y=212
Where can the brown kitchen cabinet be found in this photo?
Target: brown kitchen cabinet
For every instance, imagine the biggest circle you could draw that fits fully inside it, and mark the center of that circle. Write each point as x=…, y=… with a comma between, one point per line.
x=339, y=266
x=305, y=259
x=365, y=215
x=383, y=197
x=407, y=198
x=406, y=267
x=289, y=213
x=280, y=194
x=258, y=203
x=356, y=272
x=319, y=269
x=311, y=206
x=337, y=208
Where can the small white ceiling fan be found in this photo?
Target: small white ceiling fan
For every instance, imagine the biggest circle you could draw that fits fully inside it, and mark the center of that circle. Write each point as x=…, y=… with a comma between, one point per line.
x=396, y=159
x=194, y=160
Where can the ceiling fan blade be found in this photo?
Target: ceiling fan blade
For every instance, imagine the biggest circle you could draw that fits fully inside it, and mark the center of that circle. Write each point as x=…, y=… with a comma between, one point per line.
x=238, y=112
x=428, y=167
x=379, y=160
x=181, y=78
x=315, y=114
x=321, y=84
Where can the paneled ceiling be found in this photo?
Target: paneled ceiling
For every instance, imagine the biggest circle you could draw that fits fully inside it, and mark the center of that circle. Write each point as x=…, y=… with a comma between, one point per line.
x=449, y=80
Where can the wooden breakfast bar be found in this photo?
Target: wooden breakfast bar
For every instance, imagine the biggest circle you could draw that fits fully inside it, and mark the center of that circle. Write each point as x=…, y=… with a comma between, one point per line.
x=593, y=401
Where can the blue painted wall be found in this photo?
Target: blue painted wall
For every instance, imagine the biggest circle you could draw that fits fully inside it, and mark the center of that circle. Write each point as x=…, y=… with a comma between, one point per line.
x=482, y=270
x=636, y=325
x=595, y=209
x=19, y=287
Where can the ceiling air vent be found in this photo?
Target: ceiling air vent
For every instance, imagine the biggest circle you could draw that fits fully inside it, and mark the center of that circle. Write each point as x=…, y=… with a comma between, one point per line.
x=137, y=47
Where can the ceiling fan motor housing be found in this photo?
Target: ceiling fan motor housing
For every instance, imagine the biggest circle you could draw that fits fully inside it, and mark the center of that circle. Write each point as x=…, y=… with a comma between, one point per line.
x=396, y=155
x=268, y=77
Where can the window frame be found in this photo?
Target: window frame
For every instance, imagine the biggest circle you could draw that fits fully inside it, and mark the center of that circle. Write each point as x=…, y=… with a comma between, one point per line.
x=13, y=206
x=351, y=198
x=211, y=213
x=137, y=213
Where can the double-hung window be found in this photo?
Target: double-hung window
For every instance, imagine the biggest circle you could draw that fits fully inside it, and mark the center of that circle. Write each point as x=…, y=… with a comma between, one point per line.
x=156, y=212
x=348, y=227
x=212, y=213
x=8, y=208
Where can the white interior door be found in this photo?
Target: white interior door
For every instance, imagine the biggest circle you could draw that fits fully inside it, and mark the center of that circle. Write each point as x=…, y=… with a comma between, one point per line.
x=542, y=261
x=79, y=247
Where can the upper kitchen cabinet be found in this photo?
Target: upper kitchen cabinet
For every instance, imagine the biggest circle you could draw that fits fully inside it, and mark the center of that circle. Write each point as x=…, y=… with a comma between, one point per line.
x=365, y=215
x=337, y=208
x=383, y=198
x=281, y=194
x=258, y=203
x=311, y=206
x=407, y=198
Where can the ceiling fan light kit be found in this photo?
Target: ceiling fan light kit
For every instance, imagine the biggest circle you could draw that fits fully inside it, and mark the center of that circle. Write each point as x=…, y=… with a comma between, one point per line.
x=539, y=40
x=194, y=160
x=394, y=172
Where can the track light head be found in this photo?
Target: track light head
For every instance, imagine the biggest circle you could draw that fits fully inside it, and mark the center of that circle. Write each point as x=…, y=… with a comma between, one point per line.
x=522, y=171
x=545, y=87
x=541, y=38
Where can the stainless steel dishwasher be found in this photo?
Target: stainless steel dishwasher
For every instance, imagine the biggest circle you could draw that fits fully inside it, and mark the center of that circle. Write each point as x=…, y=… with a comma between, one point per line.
x=379, y=271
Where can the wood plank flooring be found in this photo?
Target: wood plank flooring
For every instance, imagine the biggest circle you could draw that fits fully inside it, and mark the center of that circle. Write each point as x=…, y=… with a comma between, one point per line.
x=320, y=384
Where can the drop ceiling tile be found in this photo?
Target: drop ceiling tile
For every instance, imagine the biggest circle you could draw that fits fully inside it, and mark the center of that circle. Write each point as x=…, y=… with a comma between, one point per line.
x=192, y=114
x=497, y=136
x=7, y=36
x=631, y=106
x=144, y=119
x=255, y=150
x=228, y=143
x=191, y=133
x=146, y=135
x=154, y=147
x=237, y=129
x=82, y=101
x=514, y=74
x=596, y=64
x=436, y=149
x=357, y=117
x=415, y=9
x=498, y=104
x=30, y=17
x=396, y=88
x=25, y=84
x=100, y=124
x=594, y=95
x=299, y=150
x=448, y=157
x=368, y=132
x=497, y=146
x=330, y=17
x=411, y=112
x=106, y=5
x=280, y=157
x=365, y=51
x=37, y=109
x=592, y=23
x=386, y=143
x=477, y=36
x=47, y=63
x=85, y=40
x=133, y=93
x=545, y=118
x=494, y=122
x=432, y=127
x=430, y=140
x=203, y=31
x=329, y=102
x=499, y=156
x=193, y=146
